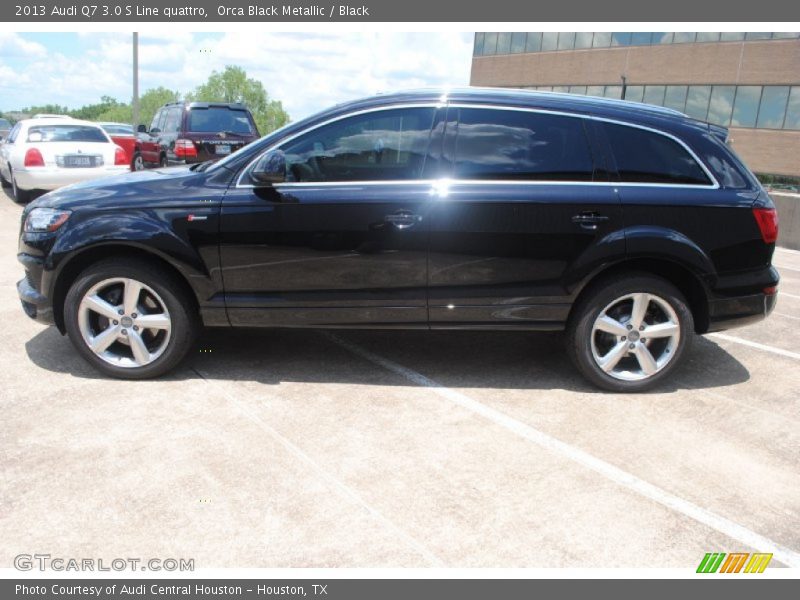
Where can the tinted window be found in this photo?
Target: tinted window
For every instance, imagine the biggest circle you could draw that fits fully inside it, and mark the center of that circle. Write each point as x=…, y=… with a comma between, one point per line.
x=118, y=129
x=721, y=104
x=773, y=106
x=745, y=109
x=220, y=118
x=520, y=145
x=647, y=157
x=378, y=146
x=5, y=124
x=65, y=133
x=156, y=124
x=173, y=121
x=12, y=135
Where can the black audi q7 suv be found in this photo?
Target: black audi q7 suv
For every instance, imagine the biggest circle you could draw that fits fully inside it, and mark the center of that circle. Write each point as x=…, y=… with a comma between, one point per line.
x=629, y=227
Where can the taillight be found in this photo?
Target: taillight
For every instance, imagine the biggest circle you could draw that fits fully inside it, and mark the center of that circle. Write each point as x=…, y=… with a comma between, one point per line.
x=185, y=149
x=767, y=219
x=120, y=156
x=33, y=158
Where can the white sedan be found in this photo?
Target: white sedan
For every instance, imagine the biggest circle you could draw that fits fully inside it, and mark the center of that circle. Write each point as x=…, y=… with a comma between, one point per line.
x=47, y=153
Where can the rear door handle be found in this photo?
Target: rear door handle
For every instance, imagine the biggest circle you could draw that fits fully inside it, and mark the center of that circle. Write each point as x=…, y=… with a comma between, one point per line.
x=589, y=220
x=403, y=219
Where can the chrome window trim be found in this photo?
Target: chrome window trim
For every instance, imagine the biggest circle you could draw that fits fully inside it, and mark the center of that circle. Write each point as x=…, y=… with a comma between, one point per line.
x=441, y=104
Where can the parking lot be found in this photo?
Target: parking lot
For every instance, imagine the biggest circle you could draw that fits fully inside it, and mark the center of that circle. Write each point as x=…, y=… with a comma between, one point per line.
x=381, y=449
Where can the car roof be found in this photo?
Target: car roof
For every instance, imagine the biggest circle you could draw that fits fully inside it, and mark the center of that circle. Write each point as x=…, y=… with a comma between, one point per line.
x=623, y=110
x=47, y=121
x=236, y=105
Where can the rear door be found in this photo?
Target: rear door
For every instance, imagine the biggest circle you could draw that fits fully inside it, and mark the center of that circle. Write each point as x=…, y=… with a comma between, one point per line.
x=526, y=216
x=343, y=241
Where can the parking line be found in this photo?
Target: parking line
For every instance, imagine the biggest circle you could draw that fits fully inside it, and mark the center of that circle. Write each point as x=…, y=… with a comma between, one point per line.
x=788, y=295
x=324, y=473
x=780, y=314
x=756, y=345
x=725, y=526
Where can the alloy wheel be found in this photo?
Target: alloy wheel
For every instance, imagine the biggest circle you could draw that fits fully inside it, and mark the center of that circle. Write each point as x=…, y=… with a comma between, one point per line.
x=635, y=336
x=124, y=322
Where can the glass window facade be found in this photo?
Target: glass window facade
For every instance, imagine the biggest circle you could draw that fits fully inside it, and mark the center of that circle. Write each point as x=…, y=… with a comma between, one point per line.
x=754, y=106
x=491, y=43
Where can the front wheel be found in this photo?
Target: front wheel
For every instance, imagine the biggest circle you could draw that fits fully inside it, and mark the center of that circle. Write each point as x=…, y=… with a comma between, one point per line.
x=129, y=318
x=630, y=332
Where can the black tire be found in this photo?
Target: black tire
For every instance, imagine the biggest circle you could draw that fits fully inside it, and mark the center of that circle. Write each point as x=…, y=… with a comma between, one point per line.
x=137, y=163
x=3, y=181
x=601, y=295
x=163, y=161
x=20, y=196
x=184, y=320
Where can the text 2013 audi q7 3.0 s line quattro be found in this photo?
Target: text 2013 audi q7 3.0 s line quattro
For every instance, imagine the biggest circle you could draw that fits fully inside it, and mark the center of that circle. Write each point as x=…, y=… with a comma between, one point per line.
x=629, y=227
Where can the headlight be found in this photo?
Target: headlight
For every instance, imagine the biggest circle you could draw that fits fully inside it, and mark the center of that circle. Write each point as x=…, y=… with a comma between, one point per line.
x=41, y=220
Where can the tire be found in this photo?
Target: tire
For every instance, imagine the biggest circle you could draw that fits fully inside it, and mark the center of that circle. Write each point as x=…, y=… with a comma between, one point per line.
x=161, y=302
x=137, y=163
x=3, y=181
x=623, y=347
x=20, y=196
x=163, y=161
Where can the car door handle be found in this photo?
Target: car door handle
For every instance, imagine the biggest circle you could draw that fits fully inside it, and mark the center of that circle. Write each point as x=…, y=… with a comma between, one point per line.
x=589, y=220
x=403, y=219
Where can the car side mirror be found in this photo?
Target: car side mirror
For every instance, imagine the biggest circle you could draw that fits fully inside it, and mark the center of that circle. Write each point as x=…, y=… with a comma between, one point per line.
x=141, y=129
x=155, y=131
x=270, y=168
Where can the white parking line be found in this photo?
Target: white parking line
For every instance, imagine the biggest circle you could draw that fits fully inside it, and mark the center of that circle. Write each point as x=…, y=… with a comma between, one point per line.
x=764, y=347
x=788, y=295
x=324, y=473
x=780, y=314
x=725, y=526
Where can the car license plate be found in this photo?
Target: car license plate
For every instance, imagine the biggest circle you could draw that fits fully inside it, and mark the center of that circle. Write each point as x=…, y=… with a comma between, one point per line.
x=223, y=149
x=78, y=161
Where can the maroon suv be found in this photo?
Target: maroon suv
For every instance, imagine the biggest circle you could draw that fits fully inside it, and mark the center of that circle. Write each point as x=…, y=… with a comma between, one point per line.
x=190, y=132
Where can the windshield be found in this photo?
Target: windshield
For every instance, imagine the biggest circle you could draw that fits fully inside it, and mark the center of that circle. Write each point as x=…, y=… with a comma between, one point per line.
x=66, y=133
x=4, y=124
x=219, y=118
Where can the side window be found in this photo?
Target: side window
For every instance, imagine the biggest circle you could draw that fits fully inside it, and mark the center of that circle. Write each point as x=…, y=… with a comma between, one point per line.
x=173, y=121
x=377, y=146
x=521, y=145
x=647, y=157
x=12, y=135
x=156, y=119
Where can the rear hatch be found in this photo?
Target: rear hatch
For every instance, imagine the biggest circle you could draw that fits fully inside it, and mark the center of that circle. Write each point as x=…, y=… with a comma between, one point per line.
x=218, y=130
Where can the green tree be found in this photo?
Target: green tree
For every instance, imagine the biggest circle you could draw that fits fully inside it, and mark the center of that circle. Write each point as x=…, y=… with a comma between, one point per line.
x=92, y=112
x=233, y=85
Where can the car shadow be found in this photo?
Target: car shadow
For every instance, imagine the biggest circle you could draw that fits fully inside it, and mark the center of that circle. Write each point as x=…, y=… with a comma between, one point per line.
x=464, y=359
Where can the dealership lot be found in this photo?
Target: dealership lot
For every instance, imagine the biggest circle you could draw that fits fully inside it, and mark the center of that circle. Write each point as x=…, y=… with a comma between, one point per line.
x=362, y=449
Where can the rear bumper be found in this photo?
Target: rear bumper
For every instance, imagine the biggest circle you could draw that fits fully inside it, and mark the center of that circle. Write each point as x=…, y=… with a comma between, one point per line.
x=728, y=313
x=46, y=178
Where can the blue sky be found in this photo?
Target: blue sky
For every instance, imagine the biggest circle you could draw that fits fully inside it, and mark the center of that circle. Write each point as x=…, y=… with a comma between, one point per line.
x=307, y=71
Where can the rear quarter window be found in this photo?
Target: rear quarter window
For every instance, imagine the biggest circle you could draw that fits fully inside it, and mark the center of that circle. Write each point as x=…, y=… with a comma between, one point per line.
x=644, y=156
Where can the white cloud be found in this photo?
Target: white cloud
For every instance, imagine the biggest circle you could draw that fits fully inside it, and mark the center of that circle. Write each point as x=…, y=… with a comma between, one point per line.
x=307, y=71
x=14, y=45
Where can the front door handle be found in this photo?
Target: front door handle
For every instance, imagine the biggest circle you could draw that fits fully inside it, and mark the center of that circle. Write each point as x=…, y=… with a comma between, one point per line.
x=589, y=220
x=403, y=219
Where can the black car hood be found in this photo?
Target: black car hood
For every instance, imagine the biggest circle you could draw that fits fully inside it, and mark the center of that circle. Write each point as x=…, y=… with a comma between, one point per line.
x=156, y=187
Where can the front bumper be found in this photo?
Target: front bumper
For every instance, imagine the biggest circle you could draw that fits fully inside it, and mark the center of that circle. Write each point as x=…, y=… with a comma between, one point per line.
x=728, y=313
x=51, y=178
x=37, y=306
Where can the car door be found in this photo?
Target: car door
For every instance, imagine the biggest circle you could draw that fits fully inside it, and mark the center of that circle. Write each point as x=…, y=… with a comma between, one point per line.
x=149, y=140
x=342, y=242
x=527, y=214
x=169, y=133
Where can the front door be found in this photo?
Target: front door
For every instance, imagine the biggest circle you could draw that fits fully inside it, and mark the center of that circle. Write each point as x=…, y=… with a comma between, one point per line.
x=343, y=241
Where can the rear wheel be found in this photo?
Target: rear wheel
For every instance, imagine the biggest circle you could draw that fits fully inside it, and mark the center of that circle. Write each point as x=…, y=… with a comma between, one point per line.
x=130, y=319
x=3, y=181
x=163, y=161
x=630, y=332
x=20, y=196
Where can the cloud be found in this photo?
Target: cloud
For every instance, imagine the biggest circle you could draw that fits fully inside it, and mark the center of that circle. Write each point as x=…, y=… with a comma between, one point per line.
x=307, y=71
x=13, y=45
